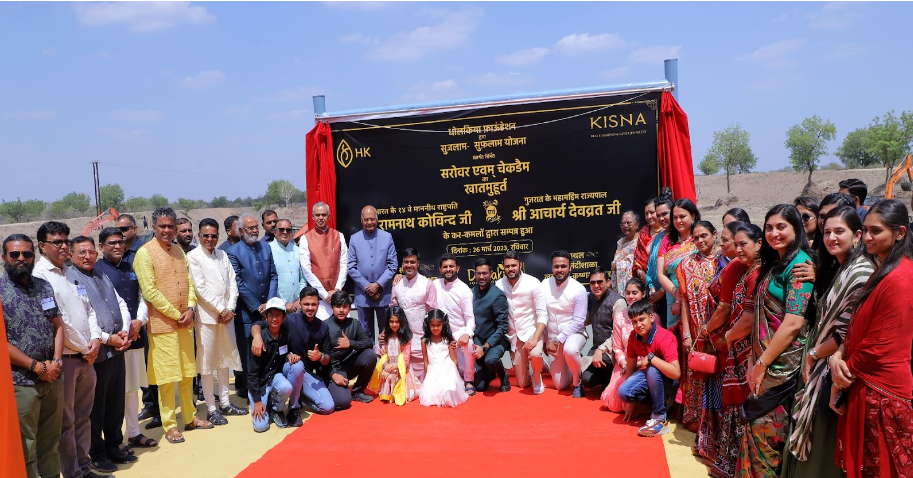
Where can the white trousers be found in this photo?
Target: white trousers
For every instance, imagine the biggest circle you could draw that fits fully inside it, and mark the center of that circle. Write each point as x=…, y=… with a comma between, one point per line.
x=522, y=361
x=466, y=362
x=208, y=394
x=566, y=364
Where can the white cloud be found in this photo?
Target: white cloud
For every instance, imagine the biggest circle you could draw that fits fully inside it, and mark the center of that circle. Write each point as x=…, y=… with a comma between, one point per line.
x=31, y=115
x=142, y=16
x=359, y=39
x=833, y=16
x=136, y=116
x=655, y=54
x=203, y=80
x=577, y=43
x=525, y=57
x=452, y=28
x=363, y=6
x=845, y=50
x=775, y=54
x=291, y=95
x=49, y=51
x=436, y=90
x=614, y=73
x=496, y=80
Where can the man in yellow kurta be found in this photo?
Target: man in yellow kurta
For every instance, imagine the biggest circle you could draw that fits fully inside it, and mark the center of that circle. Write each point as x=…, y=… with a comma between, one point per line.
x=167, y=287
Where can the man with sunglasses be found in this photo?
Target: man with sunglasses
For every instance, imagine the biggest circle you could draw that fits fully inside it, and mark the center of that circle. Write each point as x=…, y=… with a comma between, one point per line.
x=217, y=295
x=83, y=340
x=113, y=319
x=34, y=334
x=288, y=266
x=132, y=242
x=602, y=305
x=120, y=273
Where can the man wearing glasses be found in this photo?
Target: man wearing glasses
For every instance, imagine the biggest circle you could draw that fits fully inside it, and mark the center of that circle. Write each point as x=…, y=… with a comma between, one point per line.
x=288, y=266
x=324, y=258
x=623, y=262
x=113, y=319
x=255, y=273
x=82, y=344
x=132, y=242
x=120, y=273
x=34, y=334
x=603, y=303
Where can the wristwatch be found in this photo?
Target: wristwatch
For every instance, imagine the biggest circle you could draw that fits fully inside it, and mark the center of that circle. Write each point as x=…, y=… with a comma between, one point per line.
x=813, y=353
x=650, y=358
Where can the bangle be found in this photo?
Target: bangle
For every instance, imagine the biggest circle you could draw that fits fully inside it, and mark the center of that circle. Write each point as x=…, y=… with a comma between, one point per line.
x=686, y=336
x=758, y=360
x=44, y=369
x=32, y=365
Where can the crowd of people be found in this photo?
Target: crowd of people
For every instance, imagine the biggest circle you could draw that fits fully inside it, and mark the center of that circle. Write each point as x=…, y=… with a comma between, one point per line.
x=785, y=345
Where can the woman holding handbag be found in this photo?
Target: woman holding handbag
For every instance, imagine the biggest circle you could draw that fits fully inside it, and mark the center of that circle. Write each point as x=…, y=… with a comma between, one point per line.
x=694, y=276
x=843, y=269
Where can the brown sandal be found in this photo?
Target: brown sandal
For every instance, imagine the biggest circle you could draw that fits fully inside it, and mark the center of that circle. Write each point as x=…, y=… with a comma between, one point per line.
x=174, y=436
x=198, y=423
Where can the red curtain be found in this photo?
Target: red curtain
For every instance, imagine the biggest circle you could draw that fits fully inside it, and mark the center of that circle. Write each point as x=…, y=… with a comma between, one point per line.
x=11, y=461
x=674, y=148
x=321, y=172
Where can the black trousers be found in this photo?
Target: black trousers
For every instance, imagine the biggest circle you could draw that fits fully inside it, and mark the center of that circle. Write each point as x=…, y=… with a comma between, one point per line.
x=361, y=366
x=242, y=338
x=489, y=367
x=598, y=377
x=150, y=393
x=107, y=415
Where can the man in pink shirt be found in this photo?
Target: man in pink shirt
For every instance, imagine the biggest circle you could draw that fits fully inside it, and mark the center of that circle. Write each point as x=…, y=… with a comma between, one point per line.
x=416, y=295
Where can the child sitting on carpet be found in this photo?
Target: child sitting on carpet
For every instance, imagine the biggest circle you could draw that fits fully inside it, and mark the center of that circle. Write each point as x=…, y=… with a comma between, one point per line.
x=393, y=380
x=652, y=356
x=443, y=385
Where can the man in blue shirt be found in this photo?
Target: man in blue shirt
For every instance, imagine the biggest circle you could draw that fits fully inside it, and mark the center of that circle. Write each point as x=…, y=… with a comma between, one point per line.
x=372, y=266
x=288, y=266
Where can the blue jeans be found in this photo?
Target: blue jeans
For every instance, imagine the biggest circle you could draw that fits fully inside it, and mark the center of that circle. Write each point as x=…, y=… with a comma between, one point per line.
x=317, y=395
x=288, y=386
x=648, y=387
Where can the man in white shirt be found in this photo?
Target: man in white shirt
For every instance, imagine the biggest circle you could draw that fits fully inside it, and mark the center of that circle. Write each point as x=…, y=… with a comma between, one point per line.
x=416, y=295
x=83, y=339
x=324, y=258
x=528, y=318
x=454, y=297
x=217, y=295
x=566, y=304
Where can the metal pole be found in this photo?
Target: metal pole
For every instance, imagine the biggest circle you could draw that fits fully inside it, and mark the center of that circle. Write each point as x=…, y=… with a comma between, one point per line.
x=97, y=188
x=320, y=105
x=671, y=67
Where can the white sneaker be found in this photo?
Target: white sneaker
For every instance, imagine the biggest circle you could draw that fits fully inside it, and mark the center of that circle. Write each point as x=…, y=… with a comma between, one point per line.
x=540, y=388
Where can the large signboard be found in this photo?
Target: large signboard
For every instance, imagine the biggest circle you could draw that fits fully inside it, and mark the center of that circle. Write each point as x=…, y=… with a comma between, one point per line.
x=532, y=177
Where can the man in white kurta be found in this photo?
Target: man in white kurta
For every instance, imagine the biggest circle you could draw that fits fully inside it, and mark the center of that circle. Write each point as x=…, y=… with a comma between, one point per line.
x=416, y=295
x=454, y=297
x=528, y=319
x=566, y=304
x=324, y=258
x=217, y=295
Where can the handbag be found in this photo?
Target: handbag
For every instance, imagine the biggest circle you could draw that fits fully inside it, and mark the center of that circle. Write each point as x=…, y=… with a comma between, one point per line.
x=702, y=362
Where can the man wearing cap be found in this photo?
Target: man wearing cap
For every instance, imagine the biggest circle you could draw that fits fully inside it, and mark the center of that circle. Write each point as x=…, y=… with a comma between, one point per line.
x=276, y=374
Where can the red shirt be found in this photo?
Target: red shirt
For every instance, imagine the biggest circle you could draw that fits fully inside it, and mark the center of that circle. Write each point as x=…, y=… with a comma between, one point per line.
x=660, y=342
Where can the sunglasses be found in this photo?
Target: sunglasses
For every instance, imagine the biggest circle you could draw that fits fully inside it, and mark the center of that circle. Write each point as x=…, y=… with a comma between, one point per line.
x=90, y=253
x=115, y=243
x=597, y=282
x=210, y=236
x=125, y=228
x=807, y=217
x=14, y=255
x=284, y=229
x=58, y=243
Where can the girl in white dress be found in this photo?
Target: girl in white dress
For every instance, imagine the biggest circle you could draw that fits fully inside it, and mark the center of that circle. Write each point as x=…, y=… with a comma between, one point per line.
x=443, y=385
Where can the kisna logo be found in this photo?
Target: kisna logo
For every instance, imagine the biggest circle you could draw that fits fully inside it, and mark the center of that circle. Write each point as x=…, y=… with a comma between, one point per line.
x=345, y=154
x=617, y=121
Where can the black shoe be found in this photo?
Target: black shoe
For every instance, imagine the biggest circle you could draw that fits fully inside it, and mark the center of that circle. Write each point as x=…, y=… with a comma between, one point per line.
x=104, y=465
x=216, y=418
x=121, y=458
x=278, y=419
x=363, y=397
x=95, y=475
x=156, y=422
x=294, y=418
x=145, y=413
x=231, y=409
x=505, y=386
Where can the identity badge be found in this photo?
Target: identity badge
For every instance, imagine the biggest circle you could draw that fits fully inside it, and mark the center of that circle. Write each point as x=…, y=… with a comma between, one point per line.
x=48, y=303
x=81, y=290
x=283, y=349
x=133, y=276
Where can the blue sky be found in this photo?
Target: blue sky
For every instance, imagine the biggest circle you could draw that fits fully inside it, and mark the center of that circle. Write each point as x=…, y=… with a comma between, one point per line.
x=216, y=97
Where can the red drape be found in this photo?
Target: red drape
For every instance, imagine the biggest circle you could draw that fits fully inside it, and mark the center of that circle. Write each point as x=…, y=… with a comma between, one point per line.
x=321, y=172
x=12, y=462
x=674, y=149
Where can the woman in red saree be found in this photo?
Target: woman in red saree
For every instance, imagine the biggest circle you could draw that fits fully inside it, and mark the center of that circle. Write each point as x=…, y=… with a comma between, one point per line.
x=872, y=367
x=644, y=241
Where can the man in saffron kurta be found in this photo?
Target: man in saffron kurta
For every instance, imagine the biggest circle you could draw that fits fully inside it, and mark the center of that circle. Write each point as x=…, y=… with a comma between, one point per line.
x=324, y=258
x=167, y=286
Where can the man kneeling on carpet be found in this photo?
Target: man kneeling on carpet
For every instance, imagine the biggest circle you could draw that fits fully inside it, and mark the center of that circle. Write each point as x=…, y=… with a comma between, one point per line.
x=275, y=376
x=353, y=353
x=653, y=352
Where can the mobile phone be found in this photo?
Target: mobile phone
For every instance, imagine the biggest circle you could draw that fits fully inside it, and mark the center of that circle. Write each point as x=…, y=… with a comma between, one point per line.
x=840, y=399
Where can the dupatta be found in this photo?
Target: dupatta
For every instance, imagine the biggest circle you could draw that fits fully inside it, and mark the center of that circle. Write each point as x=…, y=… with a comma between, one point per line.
x=768, y=315
x=652, y=272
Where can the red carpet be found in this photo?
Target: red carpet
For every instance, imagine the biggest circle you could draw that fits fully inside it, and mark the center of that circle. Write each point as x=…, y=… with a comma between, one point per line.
x=492, y=434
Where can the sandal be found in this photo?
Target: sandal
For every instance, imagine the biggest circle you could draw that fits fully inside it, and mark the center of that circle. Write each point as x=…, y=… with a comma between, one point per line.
x=198, y=423
x=142, y=441
x=174, y=436
x=470, y=389
x=126, y=450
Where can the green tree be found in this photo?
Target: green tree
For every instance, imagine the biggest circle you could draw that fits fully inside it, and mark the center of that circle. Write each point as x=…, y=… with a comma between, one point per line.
x=807, y=142
x=72, y=204
x=220, y=201
x=111, y=195
x=731, y=152
x=186, y=204
x=889, y=139
x=157, y=201
x=136, y=204
x=280, y=191
x=19, y=211
x=854, y=151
